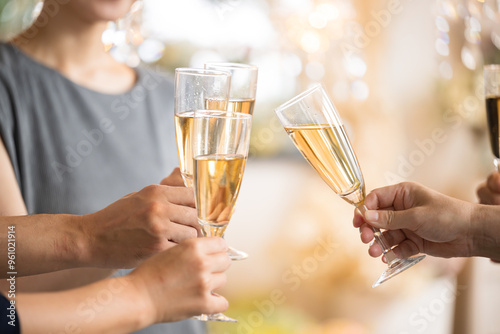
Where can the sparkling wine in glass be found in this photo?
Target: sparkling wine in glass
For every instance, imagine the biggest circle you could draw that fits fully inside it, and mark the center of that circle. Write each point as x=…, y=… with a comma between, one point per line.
x=492, y=95
x=315, y=127
x=241, y=99
x=196, y=89
x=243, y=85
x=220, y=150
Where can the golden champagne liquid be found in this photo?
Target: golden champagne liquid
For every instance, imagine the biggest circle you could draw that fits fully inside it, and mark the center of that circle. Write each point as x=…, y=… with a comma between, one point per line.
x=217, y=184
x=183, y=134
x=332, y=160
x=492, y=114
x=244, y=106
x=215, y=104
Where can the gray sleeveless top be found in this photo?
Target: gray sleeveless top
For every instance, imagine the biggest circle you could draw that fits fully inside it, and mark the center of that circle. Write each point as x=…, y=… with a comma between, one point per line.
x=75, y=150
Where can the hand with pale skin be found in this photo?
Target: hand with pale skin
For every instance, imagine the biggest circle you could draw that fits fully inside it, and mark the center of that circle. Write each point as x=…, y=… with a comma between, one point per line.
x=121, y=235
x=170, y=286
x=417, y=220
x=142, y=224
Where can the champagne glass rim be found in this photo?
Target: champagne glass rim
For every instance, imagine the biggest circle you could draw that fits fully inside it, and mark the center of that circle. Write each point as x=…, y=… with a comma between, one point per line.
x=492, y=67
x=299, y=97
x=214, y=113
x=202, y=72
x=231, y=65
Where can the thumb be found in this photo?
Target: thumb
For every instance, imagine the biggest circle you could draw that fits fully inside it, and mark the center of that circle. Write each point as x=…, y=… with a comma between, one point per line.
x=388, y=219
x=174, y=179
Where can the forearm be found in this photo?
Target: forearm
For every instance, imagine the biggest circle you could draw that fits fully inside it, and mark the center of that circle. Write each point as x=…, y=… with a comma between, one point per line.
x=41, y=243
x=58, y=281
x=111, y=306
x=485, y=231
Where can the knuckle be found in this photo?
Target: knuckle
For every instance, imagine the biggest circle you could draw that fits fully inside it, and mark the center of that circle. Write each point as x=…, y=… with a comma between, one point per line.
x=389, y=219
x=156, y=229
x=154, y=209
x=153, y=190
x=198, y=263
x=203, y=283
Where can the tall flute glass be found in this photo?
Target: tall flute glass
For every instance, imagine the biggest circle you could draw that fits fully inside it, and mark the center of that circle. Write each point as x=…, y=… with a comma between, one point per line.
x=196, y=89
x=220, y=151
x=241, y=99
x=243, y=85
x=492, y=95
x=315, y=127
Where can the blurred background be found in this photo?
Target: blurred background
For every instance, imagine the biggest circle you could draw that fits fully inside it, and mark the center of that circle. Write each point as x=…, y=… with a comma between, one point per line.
x=406, y=77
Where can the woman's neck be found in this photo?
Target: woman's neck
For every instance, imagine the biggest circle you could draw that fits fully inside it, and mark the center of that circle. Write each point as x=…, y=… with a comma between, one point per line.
x=63, y=42
x=73, y=47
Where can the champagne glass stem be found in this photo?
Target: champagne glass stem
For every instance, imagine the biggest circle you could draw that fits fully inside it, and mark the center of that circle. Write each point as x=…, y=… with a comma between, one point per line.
x=389, y=255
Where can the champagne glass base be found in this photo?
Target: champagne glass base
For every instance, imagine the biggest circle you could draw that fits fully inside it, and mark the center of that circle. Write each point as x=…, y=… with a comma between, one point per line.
x=236, y=255
x=214, y=317
x=397, y=268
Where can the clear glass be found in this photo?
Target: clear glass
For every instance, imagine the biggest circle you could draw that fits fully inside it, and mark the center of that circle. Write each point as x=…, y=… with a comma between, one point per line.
x=220, y=150
x=315, y=127
x=196, y=89
x=241, y=99
x=243, y=85
x=492, y=97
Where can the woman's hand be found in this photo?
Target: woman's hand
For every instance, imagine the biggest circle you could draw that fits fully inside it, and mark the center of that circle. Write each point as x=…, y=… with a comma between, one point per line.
x=417, y=220
x=180, y=281
x=140, y=224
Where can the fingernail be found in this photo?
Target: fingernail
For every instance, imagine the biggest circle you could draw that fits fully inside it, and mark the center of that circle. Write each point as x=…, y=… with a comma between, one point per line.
x=371, y=215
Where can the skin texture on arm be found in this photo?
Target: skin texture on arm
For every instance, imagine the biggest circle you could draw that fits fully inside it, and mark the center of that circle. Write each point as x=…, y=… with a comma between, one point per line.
x=420, y=220
x=121, y=235
x=170, y=286
x=12, y=204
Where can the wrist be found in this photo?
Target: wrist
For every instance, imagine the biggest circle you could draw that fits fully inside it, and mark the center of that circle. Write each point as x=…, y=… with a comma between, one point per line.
x=485, y=231
x=78, y=241
x=145, y=310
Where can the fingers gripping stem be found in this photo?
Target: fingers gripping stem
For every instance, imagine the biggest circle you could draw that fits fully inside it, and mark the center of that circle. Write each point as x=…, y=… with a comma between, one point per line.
x=390, y=257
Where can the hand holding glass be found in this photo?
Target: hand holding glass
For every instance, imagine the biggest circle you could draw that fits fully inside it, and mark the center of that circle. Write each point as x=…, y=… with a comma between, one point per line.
x=220, y=150
x=313, y=124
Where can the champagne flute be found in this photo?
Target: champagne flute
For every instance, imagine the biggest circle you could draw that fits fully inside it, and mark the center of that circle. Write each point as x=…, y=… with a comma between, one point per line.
x=241, y=99
x=195, y=89
x=243, y=85
x=492, y=95
x=315, y=127
x=220, y=151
